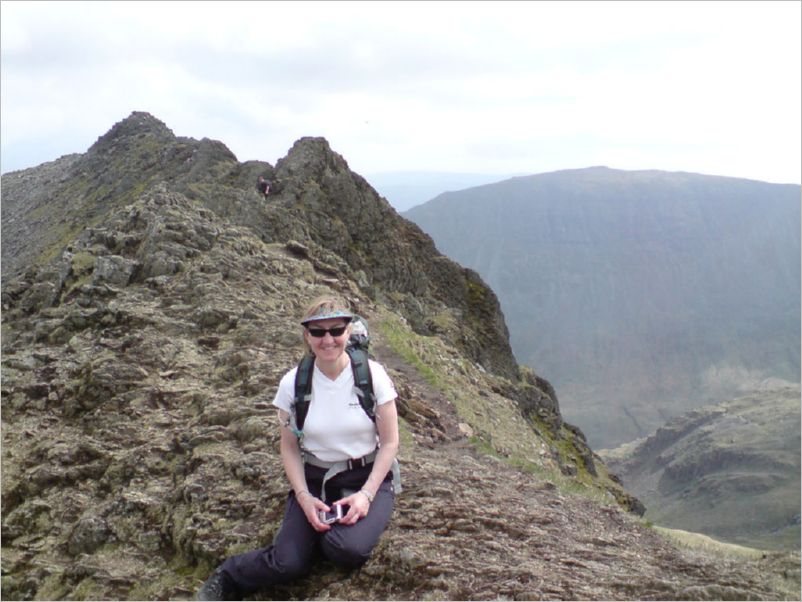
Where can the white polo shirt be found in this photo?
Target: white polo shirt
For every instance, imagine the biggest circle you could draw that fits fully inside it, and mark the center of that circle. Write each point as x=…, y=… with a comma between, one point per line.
x=336, y=427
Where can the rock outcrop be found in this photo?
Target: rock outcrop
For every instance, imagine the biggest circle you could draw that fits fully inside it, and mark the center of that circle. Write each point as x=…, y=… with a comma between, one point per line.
x=150, y=300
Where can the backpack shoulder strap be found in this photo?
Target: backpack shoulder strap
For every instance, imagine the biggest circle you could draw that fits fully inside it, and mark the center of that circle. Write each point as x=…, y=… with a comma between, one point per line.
x=303, y=391
x=363, y=381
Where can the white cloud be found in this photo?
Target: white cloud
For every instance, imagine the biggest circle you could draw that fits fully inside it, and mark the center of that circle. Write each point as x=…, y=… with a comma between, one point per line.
x=712, y=87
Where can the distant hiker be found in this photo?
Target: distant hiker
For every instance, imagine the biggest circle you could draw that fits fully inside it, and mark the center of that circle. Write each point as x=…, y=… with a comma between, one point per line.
x=263, y=185
x=339, y=440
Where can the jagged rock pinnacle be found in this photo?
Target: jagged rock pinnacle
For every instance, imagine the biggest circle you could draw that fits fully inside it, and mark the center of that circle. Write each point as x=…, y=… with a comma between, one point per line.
x=311, y=155
x=136, y=124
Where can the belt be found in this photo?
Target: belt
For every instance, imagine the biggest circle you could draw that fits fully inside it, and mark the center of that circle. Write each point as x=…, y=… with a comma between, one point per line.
x=312, y=459
x=335, y=468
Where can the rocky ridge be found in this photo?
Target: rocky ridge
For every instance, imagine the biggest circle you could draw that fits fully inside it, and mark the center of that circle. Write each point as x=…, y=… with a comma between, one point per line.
x=148, y=305
x=317, y=201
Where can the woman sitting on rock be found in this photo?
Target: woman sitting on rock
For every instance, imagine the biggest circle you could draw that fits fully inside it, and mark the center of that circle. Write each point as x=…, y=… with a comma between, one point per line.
x=341, y=455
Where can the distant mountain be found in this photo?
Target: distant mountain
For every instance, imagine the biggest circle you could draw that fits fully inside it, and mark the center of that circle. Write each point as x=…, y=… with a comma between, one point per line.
x=639, y=295
x=730, y=470
x=406, y=189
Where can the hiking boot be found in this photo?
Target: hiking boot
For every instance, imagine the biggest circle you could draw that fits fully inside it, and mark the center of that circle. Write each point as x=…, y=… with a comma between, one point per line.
x=218, y=587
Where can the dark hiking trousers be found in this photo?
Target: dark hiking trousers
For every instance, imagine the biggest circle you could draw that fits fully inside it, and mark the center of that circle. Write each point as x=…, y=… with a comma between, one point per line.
x=296, y=545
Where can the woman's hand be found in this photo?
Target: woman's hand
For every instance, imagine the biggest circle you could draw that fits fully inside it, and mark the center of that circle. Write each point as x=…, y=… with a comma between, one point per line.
x=312, y=507
x=359, y=507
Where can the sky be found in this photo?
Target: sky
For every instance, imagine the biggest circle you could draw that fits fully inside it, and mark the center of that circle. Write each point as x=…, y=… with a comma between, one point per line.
x=465, y=87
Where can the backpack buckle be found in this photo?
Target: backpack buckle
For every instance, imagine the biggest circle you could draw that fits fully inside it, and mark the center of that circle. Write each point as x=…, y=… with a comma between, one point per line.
x=358, y=463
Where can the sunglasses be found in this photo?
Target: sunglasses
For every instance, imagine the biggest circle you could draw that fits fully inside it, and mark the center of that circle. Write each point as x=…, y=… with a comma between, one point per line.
x=319, y=333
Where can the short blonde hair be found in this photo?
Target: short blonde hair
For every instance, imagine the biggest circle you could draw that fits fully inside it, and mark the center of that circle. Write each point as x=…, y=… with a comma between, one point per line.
x=326, y=307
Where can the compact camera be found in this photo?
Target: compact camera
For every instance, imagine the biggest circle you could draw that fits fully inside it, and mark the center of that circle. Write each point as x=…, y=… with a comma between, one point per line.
x=337, y=512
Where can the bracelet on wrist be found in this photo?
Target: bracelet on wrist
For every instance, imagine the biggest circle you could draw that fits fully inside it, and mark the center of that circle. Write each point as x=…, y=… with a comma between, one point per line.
x=299, y=493
x=367, y=494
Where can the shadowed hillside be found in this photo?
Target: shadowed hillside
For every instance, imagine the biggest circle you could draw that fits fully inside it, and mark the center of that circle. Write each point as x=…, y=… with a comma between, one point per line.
x=639, y=295
x=730, y=470
x=149, y=301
